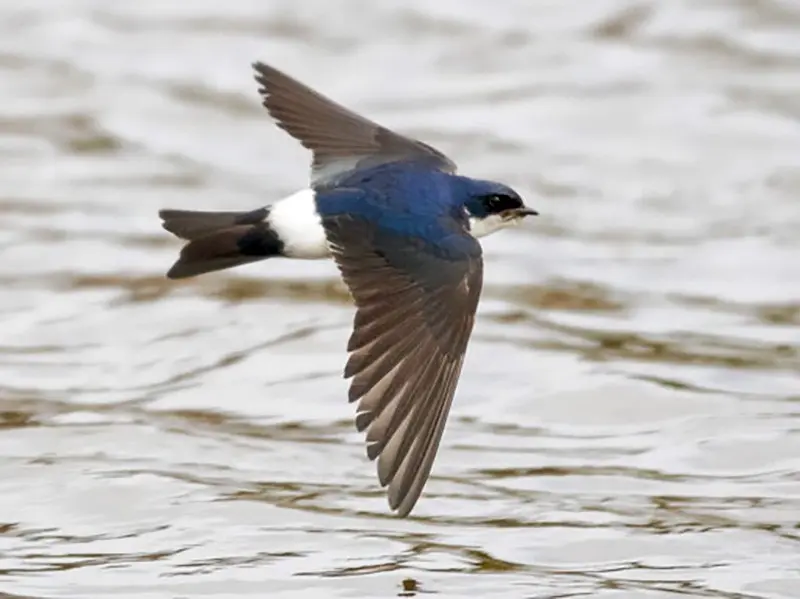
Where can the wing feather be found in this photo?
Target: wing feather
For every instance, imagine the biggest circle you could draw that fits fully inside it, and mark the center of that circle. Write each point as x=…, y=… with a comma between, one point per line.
x=339, y=139
x=414, y=315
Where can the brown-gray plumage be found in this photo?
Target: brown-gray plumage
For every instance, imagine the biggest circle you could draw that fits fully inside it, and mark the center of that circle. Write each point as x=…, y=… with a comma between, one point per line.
x=219, y=240
x=340, y=139
x=414, y=317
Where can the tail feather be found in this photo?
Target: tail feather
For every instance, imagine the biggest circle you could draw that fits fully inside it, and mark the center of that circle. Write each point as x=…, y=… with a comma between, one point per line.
x=219, y=240
x=191, y=224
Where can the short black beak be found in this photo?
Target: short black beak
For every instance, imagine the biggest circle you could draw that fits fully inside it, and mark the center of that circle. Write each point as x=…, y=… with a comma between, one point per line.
x=527, y=212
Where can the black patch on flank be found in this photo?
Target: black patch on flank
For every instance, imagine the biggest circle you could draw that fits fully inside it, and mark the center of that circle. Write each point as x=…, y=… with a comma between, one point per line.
x=260, y=240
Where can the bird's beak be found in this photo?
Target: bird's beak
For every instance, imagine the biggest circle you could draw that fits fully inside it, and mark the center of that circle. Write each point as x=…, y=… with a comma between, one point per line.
x=523, y=212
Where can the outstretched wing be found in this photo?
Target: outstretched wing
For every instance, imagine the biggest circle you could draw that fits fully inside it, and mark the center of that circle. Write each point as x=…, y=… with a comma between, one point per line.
x=339, y=139
x=416, y=305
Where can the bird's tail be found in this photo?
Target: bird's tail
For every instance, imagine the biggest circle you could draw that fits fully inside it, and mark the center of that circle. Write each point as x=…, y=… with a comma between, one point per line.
x=219, y=240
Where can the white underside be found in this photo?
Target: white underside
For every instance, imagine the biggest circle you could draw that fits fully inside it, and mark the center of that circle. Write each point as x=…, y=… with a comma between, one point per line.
x=297, y=223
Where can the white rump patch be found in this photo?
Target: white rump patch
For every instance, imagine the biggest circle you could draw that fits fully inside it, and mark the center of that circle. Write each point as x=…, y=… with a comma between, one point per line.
x=297, y=223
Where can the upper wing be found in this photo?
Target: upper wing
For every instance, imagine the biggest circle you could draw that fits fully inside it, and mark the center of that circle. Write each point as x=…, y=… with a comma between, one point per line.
x=339, y=139
x=415, y=310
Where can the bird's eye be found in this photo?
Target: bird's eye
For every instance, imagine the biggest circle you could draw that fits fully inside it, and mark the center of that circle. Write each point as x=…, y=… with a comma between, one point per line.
x=499, y=203
x=494, y=201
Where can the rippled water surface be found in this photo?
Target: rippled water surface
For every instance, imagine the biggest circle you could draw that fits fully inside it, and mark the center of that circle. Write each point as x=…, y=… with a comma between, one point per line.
x=627, y=422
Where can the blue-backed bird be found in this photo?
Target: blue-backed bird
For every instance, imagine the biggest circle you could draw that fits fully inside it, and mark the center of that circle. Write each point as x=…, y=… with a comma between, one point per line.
x=401, y=226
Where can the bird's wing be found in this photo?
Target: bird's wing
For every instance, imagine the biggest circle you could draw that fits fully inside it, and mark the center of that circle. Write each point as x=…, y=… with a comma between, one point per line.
x=416, y=305
x=339, y=139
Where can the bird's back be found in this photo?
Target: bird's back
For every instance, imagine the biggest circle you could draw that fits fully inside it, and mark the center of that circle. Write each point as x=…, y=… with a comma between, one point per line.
x=408, y=199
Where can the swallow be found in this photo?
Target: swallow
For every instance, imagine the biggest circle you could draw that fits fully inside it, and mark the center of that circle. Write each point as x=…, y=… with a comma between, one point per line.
x=402, y=227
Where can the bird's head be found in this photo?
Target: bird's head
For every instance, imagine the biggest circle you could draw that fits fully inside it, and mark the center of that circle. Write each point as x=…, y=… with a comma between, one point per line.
x=492, y=206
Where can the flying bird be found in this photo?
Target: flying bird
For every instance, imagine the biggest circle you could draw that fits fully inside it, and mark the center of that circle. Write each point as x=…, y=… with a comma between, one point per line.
x=402, y=228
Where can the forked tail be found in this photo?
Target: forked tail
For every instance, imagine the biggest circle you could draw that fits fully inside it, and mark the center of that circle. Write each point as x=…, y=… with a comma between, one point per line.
x=219, y=240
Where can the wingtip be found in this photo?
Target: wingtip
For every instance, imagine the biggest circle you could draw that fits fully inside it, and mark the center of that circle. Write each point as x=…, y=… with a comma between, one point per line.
x=258, y=67
x=262, y=71
x=402, y=506
x=261, y=75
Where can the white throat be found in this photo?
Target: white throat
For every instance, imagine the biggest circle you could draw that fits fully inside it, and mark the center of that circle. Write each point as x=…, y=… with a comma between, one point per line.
x=481, y=227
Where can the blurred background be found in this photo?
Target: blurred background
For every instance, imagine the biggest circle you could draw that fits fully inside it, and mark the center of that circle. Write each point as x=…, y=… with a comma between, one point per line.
x=627, y=421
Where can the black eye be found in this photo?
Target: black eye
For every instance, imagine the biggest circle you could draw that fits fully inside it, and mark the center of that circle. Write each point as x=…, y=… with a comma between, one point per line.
x=500, y=203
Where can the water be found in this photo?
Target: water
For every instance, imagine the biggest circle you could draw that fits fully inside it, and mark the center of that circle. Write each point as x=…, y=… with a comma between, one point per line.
x=627, y=422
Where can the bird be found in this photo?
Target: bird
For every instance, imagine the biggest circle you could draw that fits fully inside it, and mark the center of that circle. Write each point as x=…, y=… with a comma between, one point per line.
x=402, y=227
